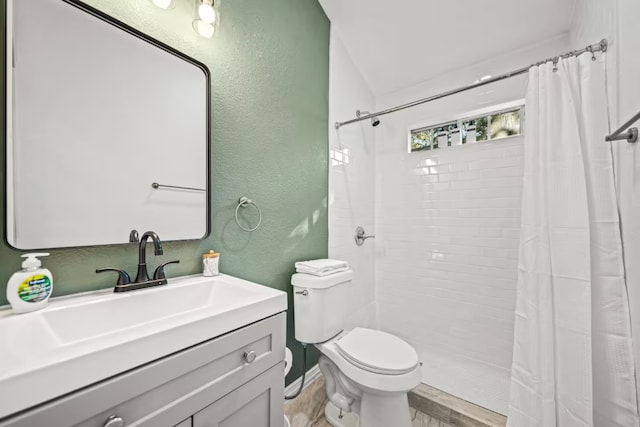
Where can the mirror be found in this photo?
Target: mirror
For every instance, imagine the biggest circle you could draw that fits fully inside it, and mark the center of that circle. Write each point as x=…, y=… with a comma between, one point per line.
x=96, y=113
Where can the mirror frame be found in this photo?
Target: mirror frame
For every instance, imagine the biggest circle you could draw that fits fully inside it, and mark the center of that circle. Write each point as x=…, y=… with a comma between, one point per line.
x=145, y=37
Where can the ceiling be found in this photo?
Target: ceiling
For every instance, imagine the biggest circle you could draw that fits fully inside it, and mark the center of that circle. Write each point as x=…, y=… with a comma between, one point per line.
x=399, y=43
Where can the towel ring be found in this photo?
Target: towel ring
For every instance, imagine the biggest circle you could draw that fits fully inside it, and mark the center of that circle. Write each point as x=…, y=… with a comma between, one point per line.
x=244, y=202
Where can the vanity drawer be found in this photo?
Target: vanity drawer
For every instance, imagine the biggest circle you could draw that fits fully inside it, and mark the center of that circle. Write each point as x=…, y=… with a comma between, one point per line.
x=168, y=391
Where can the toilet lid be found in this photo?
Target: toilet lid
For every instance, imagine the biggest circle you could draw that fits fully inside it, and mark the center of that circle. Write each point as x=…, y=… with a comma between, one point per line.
x=377, y=351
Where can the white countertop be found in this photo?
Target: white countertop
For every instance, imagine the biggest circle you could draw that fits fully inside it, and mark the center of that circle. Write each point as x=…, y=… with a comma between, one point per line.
x=81, y=339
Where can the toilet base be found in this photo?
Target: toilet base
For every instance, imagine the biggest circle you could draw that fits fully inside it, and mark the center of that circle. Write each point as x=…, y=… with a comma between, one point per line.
x=385, y=410
x=332, y=414
x=381, y=412
x=369, y=407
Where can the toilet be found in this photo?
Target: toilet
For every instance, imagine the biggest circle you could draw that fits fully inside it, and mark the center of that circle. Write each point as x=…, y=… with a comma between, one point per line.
x=367, y=372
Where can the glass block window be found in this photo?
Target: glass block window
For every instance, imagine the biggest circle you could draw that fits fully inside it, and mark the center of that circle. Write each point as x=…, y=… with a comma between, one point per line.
x=488, y=127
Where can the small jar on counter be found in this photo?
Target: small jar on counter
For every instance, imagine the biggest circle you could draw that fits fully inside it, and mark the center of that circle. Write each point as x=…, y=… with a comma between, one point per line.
x=210, y=264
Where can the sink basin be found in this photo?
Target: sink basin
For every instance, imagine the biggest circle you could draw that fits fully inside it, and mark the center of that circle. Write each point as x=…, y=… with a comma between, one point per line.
x=82, y=339
x=110, y=315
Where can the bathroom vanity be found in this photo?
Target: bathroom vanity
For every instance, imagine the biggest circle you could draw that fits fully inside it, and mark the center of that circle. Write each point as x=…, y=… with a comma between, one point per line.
x=196, y=352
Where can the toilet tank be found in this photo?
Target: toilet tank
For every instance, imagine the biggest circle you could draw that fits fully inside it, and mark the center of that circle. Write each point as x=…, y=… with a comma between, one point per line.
x=320, y=312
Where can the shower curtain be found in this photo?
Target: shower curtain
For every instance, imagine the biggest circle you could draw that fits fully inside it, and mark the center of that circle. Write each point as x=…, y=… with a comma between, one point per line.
x=573, y=359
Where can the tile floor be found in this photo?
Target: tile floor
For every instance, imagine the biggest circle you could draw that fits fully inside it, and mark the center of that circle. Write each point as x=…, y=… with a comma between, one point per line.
x=419, y=420
x=307, y=410
x=423, y=420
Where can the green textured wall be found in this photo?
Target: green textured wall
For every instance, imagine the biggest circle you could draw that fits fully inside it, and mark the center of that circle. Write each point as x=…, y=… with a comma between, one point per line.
x=269, y=66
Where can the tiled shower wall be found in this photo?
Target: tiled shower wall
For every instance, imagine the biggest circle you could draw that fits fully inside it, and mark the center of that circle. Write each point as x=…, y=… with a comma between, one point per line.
x=351, y=179
x=450, y=222
x=447, y=231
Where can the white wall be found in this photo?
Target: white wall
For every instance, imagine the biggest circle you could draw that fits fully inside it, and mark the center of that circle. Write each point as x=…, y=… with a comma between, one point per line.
x=351, y=182
x=617, y=20
x=447, y=227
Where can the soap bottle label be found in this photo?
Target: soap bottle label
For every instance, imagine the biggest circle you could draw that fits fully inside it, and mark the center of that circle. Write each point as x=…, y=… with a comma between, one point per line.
x=35, y=288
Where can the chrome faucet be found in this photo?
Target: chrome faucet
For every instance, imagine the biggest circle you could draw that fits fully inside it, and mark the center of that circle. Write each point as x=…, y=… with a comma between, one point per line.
x=142, y=275
x=142, y=278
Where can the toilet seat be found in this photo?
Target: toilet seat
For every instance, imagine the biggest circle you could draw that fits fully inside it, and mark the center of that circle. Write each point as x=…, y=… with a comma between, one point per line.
x=377, y=352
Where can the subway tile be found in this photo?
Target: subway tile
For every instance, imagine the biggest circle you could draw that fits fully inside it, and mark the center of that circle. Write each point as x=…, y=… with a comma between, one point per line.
x=511, y=172
x=448, y=177
x=420, y=171
x=494, y=163
x=459, y=166
x=439, y=169
x=466, y=185
x=427, y=179
x=429, y=161
x=511, y=233
x=470, y=175
x=489, y=212
x=447, y=227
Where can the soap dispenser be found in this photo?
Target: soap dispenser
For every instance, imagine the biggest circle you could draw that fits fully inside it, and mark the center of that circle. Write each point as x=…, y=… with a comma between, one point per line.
x=30, y=288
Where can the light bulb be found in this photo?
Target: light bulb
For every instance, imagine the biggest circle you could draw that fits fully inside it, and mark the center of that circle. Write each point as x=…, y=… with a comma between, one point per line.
x=163, y=4
x=207, y=13
x=203, y=28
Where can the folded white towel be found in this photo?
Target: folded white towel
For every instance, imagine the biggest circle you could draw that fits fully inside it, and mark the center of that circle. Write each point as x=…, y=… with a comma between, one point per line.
x=321, y=267
x=321, y=273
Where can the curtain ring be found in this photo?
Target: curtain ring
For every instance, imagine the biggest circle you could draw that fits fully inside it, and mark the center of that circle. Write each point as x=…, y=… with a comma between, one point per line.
x=244, y=202
x=593, y=54
x=555, y=64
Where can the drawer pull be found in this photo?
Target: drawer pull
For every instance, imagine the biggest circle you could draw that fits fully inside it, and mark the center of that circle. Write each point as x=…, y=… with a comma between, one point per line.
x=249, y=356
x=114, y=421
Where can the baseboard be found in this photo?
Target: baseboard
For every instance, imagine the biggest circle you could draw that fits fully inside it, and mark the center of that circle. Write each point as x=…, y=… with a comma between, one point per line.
x=312, y=375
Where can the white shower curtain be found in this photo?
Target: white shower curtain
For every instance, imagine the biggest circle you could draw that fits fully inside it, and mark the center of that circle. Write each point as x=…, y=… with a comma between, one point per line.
x=573, y=360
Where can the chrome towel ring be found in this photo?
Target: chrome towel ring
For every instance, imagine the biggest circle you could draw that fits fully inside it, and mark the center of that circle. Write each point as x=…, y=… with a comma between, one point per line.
x=243, y=203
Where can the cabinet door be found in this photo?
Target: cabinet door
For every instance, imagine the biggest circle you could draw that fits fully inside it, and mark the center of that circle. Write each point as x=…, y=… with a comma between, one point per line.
x=258, y=403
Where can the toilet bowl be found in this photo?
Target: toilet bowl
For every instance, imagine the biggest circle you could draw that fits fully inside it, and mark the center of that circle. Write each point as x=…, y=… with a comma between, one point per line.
x=367, y=372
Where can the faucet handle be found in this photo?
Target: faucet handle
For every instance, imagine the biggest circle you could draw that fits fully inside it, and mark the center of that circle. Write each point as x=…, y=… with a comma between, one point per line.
x=159, y=273
x=123, y=276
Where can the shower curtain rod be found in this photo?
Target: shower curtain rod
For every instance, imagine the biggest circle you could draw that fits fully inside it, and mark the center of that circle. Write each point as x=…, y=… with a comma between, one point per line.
x=598, y=47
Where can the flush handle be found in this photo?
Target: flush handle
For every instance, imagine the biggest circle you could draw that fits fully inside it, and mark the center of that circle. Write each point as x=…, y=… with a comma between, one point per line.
x=114, y=421
x=303, y=293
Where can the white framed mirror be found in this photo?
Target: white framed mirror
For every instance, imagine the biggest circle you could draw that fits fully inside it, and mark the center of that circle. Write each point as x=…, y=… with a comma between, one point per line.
x=96, y=113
